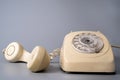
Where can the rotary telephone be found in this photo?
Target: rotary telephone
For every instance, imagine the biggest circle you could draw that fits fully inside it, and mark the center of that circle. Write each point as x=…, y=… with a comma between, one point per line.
x=82, y=51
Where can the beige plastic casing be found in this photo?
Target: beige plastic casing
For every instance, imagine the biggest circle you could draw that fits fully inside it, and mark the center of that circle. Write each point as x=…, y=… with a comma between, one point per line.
x=36, y=61
x=72, y=60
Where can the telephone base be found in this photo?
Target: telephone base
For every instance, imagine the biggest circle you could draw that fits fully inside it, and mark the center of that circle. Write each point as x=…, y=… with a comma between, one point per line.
x=89, y=68
x=71, y=60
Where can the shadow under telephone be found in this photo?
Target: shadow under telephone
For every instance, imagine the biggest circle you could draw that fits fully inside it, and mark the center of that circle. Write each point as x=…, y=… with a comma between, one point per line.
x=82, y=51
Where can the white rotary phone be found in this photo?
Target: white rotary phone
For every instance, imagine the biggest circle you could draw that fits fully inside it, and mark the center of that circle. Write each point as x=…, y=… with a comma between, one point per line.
x=82, y=51
x=86, y=51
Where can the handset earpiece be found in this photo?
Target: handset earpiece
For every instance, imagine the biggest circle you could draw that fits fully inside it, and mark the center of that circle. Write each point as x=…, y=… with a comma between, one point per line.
x=40, y=59
x=36, y=61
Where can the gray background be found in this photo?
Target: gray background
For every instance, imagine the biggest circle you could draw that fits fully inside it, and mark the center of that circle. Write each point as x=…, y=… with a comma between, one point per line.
x=46, y=22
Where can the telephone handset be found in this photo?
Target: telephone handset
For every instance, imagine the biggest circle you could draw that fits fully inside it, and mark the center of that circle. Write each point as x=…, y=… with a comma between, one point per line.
x=82, y=51
x=36, y=61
